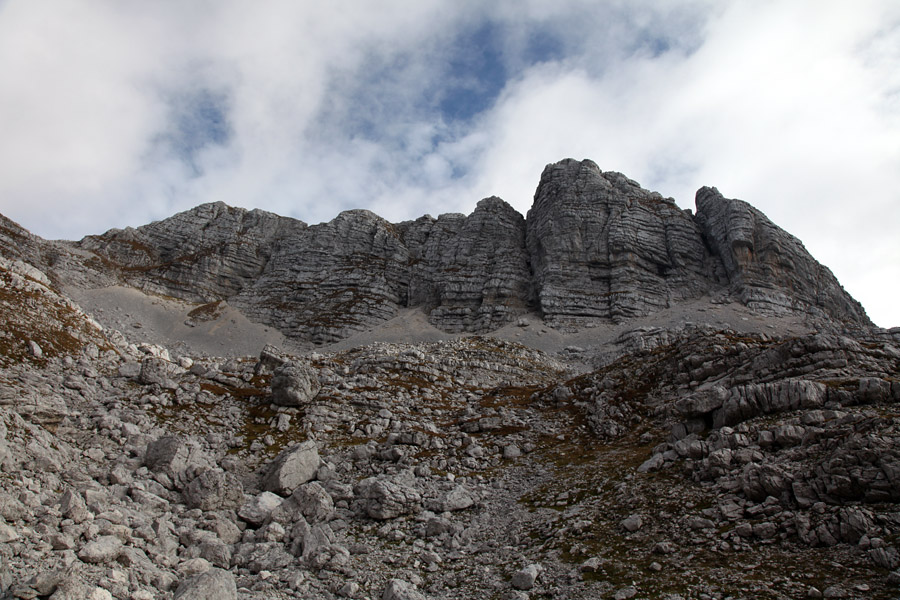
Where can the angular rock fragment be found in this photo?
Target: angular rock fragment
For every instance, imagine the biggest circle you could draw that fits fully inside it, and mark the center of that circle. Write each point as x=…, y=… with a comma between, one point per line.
x=386, y=499
x=214, y=490
x=258, y=508
x=155, y=370
x=397, y=589
x=314, y=502
x=457, y=498
x=294, y=385
x=215, y=584
x=102, y=550
x=292, y=468
x=526, y=578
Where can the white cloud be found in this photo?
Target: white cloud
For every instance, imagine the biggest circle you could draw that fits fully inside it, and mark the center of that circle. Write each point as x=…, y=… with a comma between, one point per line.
x=782, y=107
x=793, y=106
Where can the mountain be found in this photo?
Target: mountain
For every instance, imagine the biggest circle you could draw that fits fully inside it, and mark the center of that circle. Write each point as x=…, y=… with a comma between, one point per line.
x=610, y=397
x=594, y=246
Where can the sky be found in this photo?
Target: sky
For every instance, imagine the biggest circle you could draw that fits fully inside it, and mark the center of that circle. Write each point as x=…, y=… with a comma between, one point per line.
x=116, y=113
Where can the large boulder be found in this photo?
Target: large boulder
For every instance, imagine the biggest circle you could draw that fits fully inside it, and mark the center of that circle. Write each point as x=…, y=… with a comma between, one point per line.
x=258, y=508
x=215, y=584
x=314, y=502
x=156, y=370
x=178, y=458
x=292, y=468
x=103, y=549
x=294, y=385
x=456, y=498
x=384, y=498
x=214, y=490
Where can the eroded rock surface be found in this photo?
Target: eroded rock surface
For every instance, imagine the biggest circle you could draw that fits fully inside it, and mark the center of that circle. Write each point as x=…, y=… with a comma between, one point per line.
x=768, y=268
x=595, y=247
x=663, y=459
x=602, y=247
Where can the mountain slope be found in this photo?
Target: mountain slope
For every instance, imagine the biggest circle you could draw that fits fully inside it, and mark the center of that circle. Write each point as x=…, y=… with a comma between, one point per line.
x=696, y=410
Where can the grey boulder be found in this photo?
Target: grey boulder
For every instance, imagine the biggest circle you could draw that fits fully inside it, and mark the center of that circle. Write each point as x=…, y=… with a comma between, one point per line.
x=292, y=468
x=214, y=490
x=215, y=584
x=294, y=385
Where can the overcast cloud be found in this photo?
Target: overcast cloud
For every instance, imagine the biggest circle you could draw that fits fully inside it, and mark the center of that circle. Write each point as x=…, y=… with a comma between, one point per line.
x=117, y=113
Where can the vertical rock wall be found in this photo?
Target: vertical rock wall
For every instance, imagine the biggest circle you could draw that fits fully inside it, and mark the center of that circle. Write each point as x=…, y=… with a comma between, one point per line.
x=603, y=247
x=470, y=273
x=595, y=246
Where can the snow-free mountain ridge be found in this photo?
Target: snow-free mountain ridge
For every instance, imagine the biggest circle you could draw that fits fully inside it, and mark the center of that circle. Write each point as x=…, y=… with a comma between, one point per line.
x=595, y=246
x=610, y=397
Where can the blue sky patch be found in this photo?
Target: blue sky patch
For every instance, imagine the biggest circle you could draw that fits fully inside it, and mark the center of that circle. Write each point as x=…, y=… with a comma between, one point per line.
x=476, y=73
x=199, y=119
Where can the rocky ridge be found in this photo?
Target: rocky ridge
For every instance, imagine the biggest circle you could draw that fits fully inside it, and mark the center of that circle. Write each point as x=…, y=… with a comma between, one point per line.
x=686, y=459
x=595, y=247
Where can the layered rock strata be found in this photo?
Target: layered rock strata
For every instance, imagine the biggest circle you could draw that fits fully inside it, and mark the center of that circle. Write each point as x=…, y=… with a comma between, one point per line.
x=768, y=268
x=208, y=253
x=472, y=273
x=330, y=280
x=603, y=247
x=595, y=246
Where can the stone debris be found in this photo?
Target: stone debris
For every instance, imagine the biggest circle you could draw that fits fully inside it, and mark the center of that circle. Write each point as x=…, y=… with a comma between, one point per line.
x=644, y=461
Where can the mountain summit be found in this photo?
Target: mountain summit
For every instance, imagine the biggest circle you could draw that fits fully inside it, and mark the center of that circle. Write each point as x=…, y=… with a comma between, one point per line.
x=595, y=247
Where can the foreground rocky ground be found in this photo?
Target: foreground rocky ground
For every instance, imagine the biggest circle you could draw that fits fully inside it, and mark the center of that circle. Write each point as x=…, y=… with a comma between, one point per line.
x=681, y=462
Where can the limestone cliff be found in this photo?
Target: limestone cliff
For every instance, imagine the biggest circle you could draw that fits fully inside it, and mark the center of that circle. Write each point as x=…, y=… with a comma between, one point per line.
x=471, y=273
x=594, y=246
x=768, y=268
x=603, y=247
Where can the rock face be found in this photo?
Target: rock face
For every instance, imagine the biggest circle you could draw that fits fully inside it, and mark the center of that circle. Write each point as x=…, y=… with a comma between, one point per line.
x=768, y=268
x=471, y=272
x=208, y=253
x=603, y=247
x=331, y=280
x=594, y=246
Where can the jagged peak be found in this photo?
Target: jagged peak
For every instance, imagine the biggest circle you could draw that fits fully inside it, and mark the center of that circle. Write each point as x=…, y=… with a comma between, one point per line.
x=495, y=204
x=595, y=245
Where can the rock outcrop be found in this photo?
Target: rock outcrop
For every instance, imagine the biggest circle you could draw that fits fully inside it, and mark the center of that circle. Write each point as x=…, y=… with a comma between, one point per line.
x=768, y=268
x=602, y=247
x=470, y=273
x=595, y=247
x=331, y=280
x=208, y=253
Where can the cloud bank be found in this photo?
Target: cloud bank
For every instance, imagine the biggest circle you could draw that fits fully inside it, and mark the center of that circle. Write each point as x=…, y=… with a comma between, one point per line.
x=120, y=113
